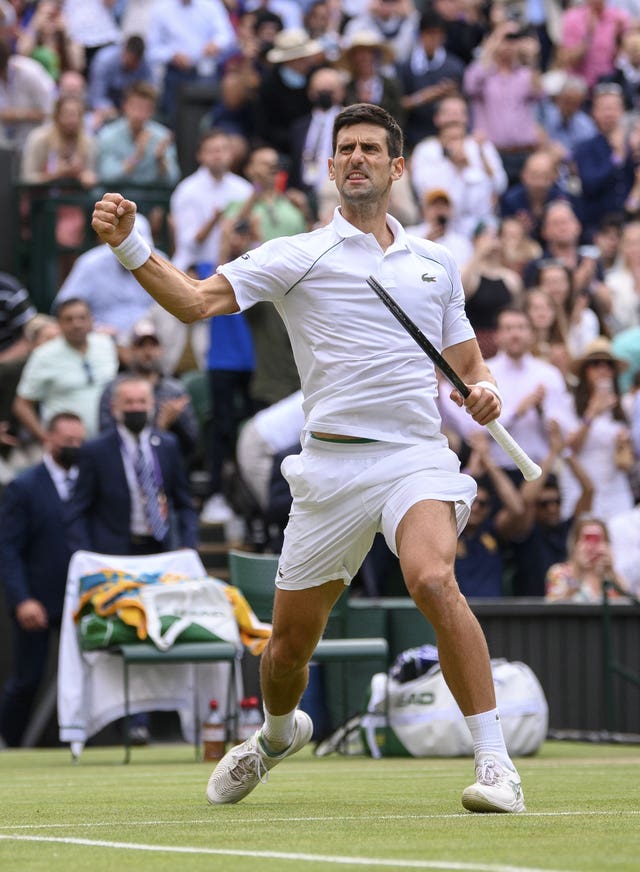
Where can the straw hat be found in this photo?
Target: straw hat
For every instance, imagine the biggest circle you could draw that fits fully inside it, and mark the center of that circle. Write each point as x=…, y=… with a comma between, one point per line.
x=436, y=194
x=293, y=44
x=365, y=39
x=598, y=349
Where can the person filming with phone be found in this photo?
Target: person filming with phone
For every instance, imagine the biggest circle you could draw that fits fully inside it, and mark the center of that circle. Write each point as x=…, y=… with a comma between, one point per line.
x=581, y=577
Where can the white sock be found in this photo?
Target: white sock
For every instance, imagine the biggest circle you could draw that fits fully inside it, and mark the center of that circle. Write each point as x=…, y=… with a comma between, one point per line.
x=486, y=733
x=278, y=730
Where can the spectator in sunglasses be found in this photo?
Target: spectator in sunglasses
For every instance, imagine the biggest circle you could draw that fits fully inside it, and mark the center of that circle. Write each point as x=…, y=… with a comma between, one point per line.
x=541, y=539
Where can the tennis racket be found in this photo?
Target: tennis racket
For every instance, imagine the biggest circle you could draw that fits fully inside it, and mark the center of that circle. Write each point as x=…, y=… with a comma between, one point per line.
x=527, y=467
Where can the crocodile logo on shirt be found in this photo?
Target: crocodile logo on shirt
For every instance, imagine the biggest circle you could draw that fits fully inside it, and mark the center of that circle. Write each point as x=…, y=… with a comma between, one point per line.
x=427, y=278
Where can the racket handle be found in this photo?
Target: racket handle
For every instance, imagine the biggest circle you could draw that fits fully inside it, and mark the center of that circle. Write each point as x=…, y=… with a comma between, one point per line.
x=527, y=467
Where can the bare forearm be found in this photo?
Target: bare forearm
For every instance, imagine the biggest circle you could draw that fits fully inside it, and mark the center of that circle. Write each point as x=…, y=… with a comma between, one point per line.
x=178, y=293
x=184, y=297
x=509, y=495
x=26, y=414
x=16, y=351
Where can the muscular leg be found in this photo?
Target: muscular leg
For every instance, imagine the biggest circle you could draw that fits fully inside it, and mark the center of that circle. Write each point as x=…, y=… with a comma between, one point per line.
x=299, y=619
x=426, y=540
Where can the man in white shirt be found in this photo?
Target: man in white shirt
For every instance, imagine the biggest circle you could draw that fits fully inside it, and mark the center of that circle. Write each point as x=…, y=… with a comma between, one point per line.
x=373, y=456
x=66, y=374
x=533, y=393
x=198, y=203
x=479, y=166
x=27, y=95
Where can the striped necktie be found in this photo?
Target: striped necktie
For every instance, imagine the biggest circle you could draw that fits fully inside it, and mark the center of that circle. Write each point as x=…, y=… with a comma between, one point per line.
x=150, y=496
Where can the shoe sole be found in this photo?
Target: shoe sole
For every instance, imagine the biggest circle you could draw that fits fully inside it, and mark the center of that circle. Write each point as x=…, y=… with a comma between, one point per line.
x=304, y=726
x=475, y=800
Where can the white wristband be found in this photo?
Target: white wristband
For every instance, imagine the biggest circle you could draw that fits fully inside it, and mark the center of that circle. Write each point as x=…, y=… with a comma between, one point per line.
x=490, y=387
x=133, y=251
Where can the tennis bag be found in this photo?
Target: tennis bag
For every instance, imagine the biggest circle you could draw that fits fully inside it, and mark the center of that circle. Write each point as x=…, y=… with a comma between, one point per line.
x=420, y=718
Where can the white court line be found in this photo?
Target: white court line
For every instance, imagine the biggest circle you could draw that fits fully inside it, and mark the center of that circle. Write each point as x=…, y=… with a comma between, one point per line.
x=74, y=825
x=370, y=862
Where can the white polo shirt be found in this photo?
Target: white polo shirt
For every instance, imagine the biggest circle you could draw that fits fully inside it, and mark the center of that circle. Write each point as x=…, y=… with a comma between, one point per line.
x=361, y=373
x=62, y=380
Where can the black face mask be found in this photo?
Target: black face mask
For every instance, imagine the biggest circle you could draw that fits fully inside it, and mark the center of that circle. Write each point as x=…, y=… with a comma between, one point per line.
x=323, y=100
x=135, y=422
x=67, y=456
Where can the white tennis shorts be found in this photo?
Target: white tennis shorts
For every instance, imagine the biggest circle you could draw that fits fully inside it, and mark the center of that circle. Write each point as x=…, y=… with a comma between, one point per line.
x=344, y=493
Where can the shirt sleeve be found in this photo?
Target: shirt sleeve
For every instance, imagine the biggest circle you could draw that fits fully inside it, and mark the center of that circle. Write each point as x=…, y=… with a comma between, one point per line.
x=456, y=327
x=34, y=379
x=267, y=272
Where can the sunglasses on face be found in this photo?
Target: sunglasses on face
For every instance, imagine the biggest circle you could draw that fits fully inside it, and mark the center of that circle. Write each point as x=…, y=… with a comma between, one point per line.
x=597, y=363
x=549, y=501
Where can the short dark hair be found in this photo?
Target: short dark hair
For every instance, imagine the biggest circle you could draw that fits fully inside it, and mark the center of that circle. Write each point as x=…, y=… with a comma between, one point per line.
x=212, y=133
x=72, y=301
x=144, y=90
x=62, y=416
x=135, y=46
x=431, y=20
x=369, y=113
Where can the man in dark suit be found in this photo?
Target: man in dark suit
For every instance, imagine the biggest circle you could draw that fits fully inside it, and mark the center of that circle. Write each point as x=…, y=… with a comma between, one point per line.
x=132, y=495
x=34, y=558
x=310, y=134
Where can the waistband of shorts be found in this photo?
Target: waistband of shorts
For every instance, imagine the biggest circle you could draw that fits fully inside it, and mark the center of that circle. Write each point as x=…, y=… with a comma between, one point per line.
x=337, y=440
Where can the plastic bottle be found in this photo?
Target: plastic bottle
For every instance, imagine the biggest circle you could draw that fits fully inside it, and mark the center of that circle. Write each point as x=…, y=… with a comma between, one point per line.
x=213, y=734
x=249, y=718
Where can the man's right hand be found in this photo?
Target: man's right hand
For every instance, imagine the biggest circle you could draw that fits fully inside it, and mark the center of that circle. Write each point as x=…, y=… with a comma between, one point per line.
x=113, y=218
x=32, y=615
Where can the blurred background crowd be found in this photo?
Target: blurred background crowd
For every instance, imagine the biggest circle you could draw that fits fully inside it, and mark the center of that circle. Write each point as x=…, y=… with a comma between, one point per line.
x=522, y=130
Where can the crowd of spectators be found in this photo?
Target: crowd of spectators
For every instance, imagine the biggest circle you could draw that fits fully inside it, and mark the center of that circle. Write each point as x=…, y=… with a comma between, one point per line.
x=522, y=157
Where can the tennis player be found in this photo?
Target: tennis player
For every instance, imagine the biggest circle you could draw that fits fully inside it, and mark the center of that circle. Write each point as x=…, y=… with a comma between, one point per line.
x=373, y=456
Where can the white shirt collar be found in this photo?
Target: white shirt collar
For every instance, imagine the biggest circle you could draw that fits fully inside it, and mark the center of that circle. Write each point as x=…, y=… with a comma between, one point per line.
x=346, y=229
x=59, y=475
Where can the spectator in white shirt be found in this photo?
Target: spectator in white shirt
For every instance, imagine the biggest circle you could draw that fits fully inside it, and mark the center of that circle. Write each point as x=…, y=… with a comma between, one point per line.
x=27, y=95
x=533, y=393
x=199, y=200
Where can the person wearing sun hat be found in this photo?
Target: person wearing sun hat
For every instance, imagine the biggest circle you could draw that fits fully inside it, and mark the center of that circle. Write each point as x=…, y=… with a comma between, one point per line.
x=367, y=60
x=282, y=97
x=602, y=441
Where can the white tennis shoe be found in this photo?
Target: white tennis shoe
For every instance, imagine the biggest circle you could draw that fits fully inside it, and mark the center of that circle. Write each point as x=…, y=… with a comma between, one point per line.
x=246, y=765
x=497, y=788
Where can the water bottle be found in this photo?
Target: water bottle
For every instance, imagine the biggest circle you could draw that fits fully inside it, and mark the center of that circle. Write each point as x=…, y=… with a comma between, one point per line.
x=249, y=719
x=213, y=734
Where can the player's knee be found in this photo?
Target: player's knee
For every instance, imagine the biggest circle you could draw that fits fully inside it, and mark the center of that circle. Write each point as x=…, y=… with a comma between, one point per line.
x=433, y=587
x=285, y=657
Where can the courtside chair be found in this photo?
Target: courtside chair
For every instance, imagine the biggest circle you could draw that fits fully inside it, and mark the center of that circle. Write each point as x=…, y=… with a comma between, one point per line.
x=254, y=575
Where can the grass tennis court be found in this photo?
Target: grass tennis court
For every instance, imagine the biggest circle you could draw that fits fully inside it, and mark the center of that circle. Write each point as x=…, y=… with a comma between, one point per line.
x=316, y=814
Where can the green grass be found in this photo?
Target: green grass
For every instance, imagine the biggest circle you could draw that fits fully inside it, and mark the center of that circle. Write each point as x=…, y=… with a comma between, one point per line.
x=583, y=814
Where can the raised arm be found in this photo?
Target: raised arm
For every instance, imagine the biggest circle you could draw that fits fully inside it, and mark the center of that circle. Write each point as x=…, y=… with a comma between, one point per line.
x=188, y=299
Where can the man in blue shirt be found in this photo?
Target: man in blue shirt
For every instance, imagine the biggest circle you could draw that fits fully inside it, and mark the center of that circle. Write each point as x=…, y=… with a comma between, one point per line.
x=114, y=69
